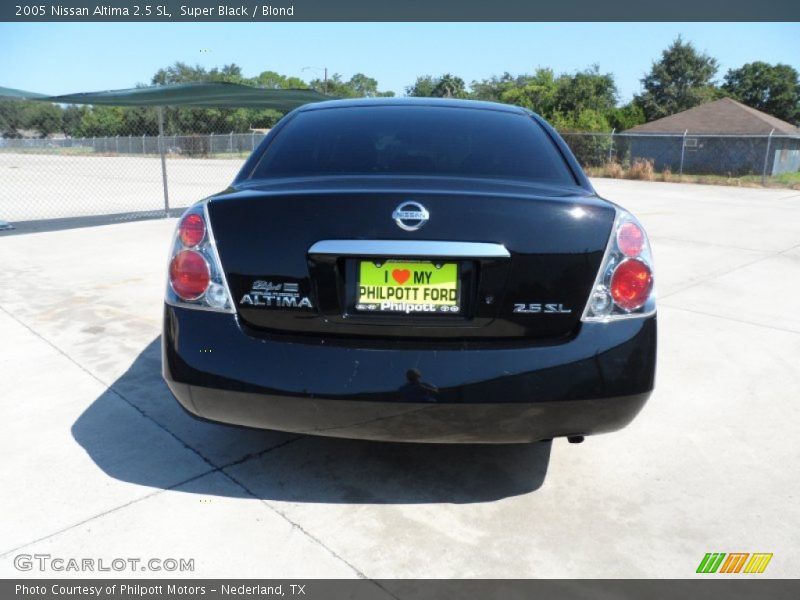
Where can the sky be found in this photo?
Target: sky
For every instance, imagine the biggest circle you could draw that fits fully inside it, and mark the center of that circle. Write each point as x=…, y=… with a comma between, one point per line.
x=61, y=58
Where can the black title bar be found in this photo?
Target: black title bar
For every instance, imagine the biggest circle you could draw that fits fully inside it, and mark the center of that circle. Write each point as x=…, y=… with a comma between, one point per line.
x=398, y=10
x=709, y=588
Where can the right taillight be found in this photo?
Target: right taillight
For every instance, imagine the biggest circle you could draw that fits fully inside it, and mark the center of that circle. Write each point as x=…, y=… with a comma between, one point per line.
x=624, y=284
x=630, y=238
x=631, y=284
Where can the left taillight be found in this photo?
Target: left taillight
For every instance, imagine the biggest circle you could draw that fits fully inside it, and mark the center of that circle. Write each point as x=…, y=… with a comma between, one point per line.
x=624, y=285
x=195, y=278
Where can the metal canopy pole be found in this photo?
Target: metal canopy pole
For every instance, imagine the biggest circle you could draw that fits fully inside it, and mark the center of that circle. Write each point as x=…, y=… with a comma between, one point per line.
x=683, y=150
x=766, y=159
x=611, y=145
x=163, y=159
x=5, y=225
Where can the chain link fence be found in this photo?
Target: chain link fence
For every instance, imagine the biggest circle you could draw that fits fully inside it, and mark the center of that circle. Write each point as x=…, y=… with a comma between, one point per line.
x=74, y=177
x=145, y=175
x=763, y=156
x=204, y=146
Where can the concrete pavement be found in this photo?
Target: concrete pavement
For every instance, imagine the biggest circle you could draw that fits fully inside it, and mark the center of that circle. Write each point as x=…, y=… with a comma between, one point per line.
x=100, y=462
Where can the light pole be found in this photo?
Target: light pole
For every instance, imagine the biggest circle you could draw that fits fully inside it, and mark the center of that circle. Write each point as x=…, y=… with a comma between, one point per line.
x=325, y=72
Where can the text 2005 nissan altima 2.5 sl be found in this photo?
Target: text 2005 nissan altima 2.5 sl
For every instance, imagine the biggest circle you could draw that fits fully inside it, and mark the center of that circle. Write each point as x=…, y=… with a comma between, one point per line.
x=411, y=270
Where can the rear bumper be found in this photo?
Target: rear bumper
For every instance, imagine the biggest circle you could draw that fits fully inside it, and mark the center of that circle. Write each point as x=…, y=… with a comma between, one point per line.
x=595, y=383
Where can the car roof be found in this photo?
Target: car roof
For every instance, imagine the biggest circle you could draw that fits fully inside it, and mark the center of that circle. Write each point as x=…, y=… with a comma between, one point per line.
x=432, y=102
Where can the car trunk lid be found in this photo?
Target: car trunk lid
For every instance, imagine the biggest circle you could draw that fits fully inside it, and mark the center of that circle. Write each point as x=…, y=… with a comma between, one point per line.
x=524, y=257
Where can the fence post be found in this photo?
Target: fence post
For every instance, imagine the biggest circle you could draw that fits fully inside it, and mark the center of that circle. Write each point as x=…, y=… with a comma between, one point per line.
x=230, y=144
x=144, y=150
x=611, y=145
x=683, y=150
x=117, y=143
x=766, y=159
x=211, y=143
x=252, y=140
x=163, y=159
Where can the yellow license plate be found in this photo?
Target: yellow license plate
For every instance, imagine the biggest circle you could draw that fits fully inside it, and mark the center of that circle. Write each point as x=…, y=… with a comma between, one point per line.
x=408, y=287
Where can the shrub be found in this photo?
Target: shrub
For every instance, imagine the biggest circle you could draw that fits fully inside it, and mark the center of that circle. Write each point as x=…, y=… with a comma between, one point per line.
x=641, y=169
x=614, y=170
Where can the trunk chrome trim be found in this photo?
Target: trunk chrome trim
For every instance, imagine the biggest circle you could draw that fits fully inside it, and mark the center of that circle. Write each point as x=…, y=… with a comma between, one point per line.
x=417, y=248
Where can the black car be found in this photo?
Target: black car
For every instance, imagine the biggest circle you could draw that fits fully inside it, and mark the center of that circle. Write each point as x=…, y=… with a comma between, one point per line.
x=412, y=270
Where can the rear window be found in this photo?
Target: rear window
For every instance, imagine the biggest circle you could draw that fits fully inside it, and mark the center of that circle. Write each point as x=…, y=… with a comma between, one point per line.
x=414, y=140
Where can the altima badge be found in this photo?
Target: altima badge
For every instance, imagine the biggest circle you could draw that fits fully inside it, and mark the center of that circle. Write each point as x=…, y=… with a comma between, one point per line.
x=410, y=216
x=275, y=295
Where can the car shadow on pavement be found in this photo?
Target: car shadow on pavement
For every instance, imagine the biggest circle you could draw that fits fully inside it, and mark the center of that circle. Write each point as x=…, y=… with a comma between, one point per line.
x=120, y=428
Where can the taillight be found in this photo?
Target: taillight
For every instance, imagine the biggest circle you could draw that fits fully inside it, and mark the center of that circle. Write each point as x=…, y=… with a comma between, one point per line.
x=630, y=239
x=624, y=284
x=189, y=274
x=631, y=284
x=192, y=230
x=196, y=279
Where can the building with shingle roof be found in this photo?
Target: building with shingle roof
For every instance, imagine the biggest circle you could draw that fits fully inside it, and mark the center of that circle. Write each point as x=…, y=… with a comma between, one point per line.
x=720, y=137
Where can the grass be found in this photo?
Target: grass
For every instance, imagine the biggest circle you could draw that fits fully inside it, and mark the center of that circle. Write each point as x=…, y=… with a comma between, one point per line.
x=643, y=170
x=790, y=180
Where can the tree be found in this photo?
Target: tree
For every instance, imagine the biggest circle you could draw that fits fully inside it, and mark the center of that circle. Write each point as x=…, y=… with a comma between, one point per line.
x=774, y=89
x=16, y=116
x=422, y=88
x=12, y=117
x=492, y=89
x=450, y=86
x=180, y=72
x=275, y=81
x=358, y=86
x=231, y=73
x=537, y=92
x=681, y=79
x=625, y=117
x=586, y=90
x=445, y=86
x=71, y=120
x=334, y=86
x=264, y=118
x=103, y=121
x=363, y=85
x=44, y=118
x=580, y=101
x=139, y=120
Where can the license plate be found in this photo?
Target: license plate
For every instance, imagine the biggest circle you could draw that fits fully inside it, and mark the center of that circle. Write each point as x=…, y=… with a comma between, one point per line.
x=408, y=287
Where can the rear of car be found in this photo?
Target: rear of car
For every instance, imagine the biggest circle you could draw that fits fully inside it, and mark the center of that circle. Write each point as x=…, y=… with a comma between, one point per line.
x=416, y=271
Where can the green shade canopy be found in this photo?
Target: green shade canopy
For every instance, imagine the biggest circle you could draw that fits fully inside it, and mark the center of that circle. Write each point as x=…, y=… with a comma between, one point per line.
x=13, y=93
x=201, y=94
